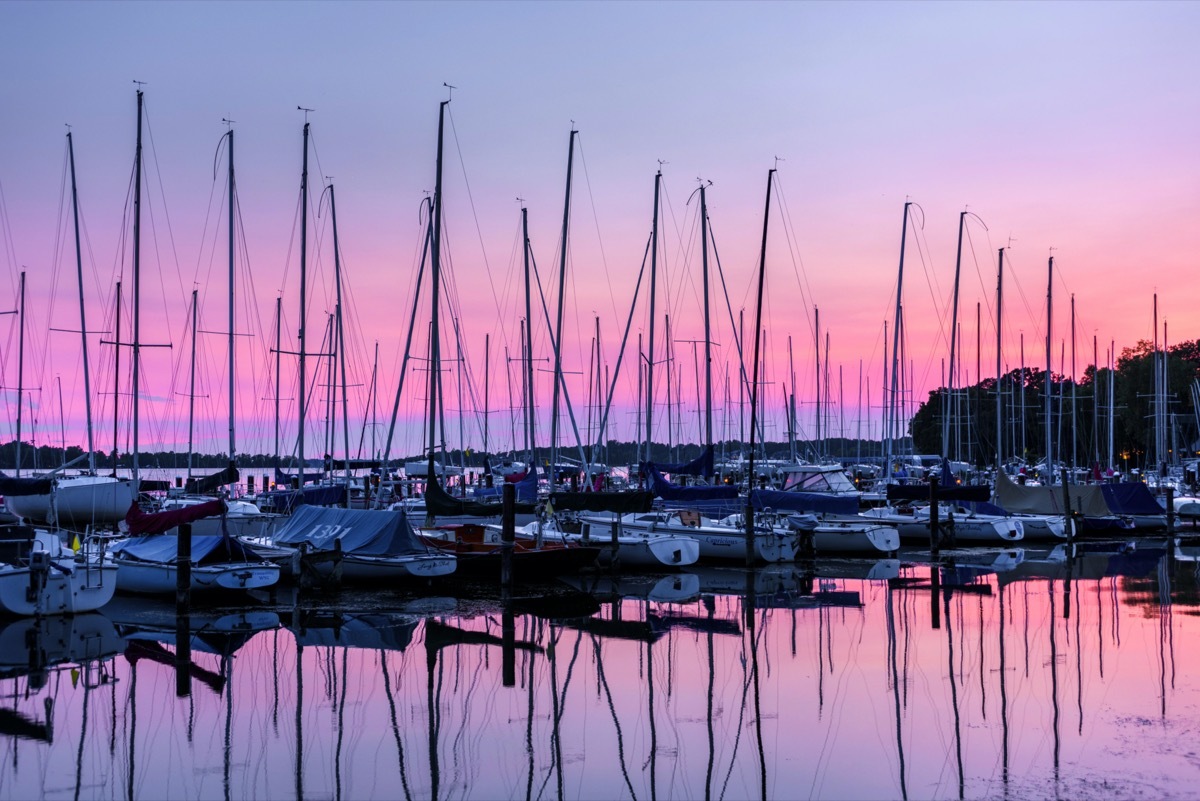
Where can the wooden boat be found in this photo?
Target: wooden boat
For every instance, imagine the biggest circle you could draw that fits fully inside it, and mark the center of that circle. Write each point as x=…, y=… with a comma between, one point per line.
x=478, y=550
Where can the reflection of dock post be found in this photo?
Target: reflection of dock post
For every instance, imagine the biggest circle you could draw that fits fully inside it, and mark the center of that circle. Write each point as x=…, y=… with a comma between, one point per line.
x=508, y=535
x=935, y=595
x=183, y=570
x=183, y=654
x=935, y=537
x=508, y=634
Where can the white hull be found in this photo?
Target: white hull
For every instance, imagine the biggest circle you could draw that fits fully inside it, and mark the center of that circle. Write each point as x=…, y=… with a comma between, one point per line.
x=87, y=588
x=149, y=578
x=1043, y=527
x=78, y=502
x=966, y=529
x=717, y=542
x=384, y=568
x=856, y=538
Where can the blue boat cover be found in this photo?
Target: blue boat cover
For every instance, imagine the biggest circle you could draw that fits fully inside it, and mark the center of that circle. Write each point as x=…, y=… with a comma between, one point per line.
x=702, y=465
x=817, y=502
x=25, y=486
x=526, y=489
x=985, y=508
x=1130, y=499
x=313, y=495
x=670, y=492
x=209, y=549
x=366, y=532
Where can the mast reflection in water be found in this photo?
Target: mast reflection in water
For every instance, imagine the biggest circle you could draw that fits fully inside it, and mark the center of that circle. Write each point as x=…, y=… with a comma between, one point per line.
x=993, y=674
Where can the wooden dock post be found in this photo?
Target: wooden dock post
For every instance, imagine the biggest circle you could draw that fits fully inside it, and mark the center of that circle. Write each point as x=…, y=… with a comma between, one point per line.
x=183, y=570
x=508, y=535
x=935, y=536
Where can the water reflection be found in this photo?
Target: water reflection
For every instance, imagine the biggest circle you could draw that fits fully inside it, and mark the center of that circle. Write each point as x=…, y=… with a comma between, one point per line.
x=991, y=674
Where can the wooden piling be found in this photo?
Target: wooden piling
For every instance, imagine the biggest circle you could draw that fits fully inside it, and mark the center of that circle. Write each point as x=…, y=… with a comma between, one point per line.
x=1170, y=510
x=935, y=535
x=183, y=570
x=1068, y=517
x=508, y=535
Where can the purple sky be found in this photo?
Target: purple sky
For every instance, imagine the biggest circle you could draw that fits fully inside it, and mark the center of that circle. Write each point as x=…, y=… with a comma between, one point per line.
x=1064, y=125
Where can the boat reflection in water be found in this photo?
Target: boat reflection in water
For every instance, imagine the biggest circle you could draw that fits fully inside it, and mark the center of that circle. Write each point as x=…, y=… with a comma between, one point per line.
x=989, y=674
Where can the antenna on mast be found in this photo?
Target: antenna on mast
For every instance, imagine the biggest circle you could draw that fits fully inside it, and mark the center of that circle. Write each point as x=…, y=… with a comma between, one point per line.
x=450, y=95
x=306, y=112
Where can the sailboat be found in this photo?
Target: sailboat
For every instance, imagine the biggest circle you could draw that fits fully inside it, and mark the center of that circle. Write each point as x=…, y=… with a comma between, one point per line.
x=41, y=576
x=84, y=500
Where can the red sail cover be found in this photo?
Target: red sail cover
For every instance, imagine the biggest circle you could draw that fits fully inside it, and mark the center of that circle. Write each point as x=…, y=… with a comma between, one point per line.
x=141, y=523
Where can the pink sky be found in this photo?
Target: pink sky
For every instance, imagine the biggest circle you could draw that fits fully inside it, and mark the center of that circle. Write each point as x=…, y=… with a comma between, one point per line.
x=1068, y=125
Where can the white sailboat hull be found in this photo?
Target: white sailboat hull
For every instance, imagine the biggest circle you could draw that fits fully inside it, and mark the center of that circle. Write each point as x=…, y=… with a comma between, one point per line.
x=149, y=578
x=78, y=502
x=85, y=589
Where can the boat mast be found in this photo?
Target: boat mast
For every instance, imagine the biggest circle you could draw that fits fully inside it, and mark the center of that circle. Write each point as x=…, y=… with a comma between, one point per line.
x=650, y=346
x=232, y=310
x=817, y=353
x=999, y=369
x=116, y=377
x=530, y=412
x=87, y=374
x=708, y=436
x=762, y=269
x=558, y=328
x=1049, y=391
x=278, y=371
x=192, y=388
x=302, y=383
x=137, y=278
x=962, y=217
x=20, y=366
x=890, y=434
x=436, y=277
x=340, y=347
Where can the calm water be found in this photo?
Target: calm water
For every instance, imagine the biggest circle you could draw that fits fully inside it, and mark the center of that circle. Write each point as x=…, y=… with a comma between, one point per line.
x=1045, y=679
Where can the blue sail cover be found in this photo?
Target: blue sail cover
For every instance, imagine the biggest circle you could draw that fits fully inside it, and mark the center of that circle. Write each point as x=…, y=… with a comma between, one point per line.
x=366, y=532
x=816, y=502
x=209, y=549
x=714, y=500
x=526, y=489
x=312, y=495
x=985, y=508
x=1131, y=499
x=702, y=465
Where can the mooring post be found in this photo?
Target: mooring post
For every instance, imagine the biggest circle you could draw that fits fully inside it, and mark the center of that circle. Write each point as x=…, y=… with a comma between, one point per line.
x=935, y=536
x=1068, y=517
x=183, y=570
x=749, y=532
x=1170, y=510
x=508, y=535
x=616, y=541
x=336, y=576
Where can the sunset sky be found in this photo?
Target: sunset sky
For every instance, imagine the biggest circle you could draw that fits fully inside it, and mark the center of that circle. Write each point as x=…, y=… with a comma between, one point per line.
x=1070, y=126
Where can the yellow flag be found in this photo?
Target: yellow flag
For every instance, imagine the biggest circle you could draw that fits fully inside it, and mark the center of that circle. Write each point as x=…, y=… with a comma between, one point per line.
x=75, y=542
x=74, y=677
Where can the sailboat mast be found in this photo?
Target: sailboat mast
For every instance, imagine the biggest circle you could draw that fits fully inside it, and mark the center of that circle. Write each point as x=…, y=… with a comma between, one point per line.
x=1074, y=432
x=890, y=434
x=762, y=269
x=303, y=383
x=20, y=367
x=530, y=412
x=436, y=278
x=1049, y=391
x=87, y=373
x=999, y=367
x=116, y=376
x=650, y=347
x=962, y=217
x=137, y=278
x=232, y=310
x=558, y=326
x=708, y=436
x=192, y=387
x=340, y=348
x=278, y=372
x=817, y=353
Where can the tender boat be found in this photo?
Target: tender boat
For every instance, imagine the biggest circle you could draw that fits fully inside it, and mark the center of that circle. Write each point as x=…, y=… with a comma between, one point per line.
x=41, y=576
